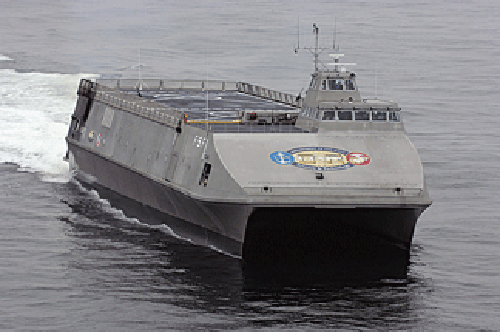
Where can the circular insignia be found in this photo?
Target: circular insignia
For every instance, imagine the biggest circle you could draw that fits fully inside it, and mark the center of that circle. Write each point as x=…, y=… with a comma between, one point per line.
x=282, y=158
x=358, y=158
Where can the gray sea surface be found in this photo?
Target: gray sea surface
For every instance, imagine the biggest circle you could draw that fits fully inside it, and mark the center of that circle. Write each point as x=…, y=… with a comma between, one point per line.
x=69, y=259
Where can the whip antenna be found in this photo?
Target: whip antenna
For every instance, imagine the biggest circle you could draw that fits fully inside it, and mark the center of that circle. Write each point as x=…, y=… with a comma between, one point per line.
x=335, y=33
x=298, y=36
x=139, y=85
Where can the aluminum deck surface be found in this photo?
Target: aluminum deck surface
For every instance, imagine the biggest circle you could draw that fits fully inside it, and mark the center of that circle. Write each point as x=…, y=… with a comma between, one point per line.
x=221, y=106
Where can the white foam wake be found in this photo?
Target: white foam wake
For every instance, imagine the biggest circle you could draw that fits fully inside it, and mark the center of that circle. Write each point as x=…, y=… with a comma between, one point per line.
x=5, y=58
x=118, y=214
x=35, y=111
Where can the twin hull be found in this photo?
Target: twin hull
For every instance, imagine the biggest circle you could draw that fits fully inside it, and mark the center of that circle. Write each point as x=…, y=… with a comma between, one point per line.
x=225, y=184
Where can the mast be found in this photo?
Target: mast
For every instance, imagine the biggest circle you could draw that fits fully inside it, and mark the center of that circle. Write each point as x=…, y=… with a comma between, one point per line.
x=316, y=50
x=316, y=54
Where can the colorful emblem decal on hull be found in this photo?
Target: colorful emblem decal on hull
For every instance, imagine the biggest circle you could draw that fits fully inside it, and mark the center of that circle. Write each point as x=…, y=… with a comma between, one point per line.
x=282, y=158
x=320, y=158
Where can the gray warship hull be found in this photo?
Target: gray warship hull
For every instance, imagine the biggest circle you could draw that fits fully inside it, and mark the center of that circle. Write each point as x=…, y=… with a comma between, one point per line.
x=236, y=227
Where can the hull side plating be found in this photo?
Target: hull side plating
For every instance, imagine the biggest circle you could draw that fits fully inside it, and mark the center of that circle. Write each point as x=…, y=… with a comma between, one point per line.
x=212, y=224
x=243, y=229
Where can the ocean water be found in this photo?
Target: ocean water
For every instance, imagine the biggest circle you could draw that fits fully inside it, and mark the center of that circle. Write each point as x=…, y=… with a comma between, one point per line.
x=70, y=259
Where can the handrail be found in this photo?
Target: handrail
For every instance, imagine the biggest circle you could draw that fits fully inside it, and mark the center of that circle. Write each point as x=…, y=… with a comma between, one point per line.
x=265, y=93
x=159, y=84
x=149, y=109
x=203, y=85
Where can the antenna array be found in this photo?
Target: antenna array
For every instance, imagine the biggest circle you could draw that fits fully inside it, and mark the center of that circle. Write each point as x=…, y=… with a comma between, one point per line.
x=316, y=50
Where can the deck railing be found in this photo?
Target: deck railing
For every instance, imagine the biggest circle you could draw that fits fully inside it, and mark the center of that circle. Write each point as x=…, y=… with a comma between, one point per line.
x=135, y=104
x=158, y=85
x=203, y=85
x=265, y=93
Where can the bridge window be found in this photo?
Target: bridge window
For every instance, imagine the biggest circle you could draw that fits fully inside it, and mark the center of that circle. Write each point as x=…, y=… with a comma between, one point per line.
x=345, y=115
x=334, y=84
x=329, y=115
x=349, y=85
x=394, y=116
x=362, y=115
x=379, y=116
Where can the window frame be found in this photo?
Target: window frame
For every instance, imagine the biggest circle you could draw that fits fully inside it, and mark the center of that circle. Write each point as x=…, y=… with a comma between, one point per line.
x=346, y=112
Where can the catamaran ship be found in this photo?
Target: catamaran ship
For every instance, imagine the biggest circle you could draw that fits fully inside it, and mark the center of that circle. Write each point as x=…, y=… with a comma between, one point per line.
x=242, y=165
